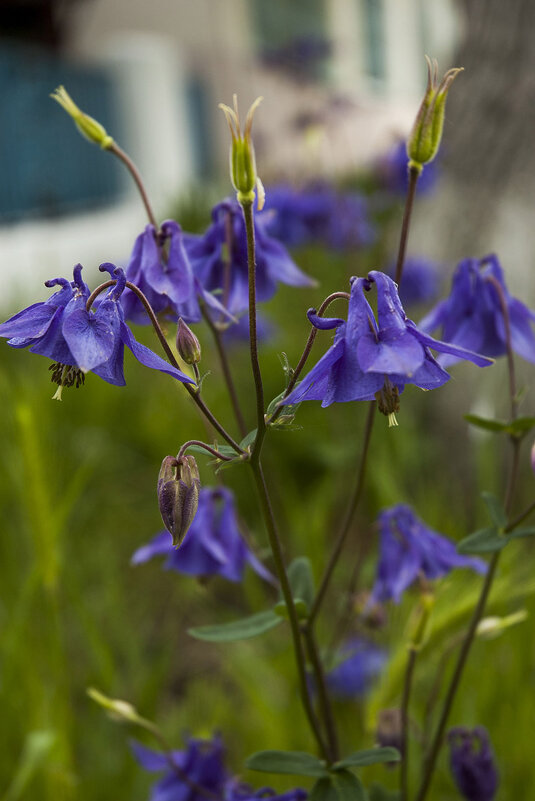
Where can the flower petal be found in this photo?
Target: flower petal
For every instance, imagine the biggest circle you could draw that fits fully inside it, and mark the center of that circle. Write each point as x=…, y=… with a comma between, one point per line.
x=90, y=336
x=150, y=359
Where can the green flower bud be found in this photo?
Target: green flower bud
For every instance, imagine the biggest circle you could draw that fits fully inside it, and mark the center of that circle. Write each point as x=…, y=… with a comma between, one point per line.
x=424, y=139
x=187, y=344
x=242, y=157
x=87, y=126
x=178, y=495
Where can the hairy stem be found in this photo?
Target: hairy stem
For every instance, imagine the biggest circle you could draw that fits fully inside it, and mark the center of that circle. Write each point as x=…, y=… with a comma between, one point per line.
x=205, y=447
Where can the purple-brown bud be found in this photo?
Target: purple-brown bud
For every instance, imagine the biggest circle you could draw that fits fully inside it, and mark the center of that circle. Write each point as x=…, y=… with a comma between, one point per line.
x=187, y=344
x=178, y=495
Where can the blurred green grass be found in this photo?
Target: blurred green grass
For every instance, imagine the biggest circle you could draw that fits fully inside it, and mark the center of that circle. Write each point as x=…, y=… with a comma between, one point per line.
x=77, y=496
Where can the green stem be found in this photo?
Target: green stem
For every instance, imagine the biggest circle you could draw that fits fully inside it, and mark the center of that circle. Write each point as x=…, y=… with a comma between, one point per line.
x=405, y=226
x=407, y=687
x=346, y=525
x=282, y=575
x=247, y=209
x=323, y=694
x=225, y=367
x=134, y=172
x=205, y=447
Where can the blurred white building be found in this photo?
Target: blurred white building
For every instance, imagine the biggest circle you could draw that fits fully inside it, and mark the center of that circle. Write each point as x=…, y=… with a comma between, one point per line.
x=340, y=79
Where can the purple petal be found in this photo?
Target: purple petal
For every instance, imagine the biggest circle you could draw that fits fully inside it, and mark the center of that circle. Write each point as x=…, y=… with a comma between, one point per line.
x=396, y=352
x=150, y=359
x=90, y=336
x=160, y=545
x=29, y=323
x=452, y=350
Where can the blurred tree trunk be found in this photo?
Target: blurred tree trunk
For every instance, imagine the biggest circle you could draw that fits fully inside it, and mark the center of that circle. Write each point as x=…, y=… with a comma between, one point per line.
x=488, y=201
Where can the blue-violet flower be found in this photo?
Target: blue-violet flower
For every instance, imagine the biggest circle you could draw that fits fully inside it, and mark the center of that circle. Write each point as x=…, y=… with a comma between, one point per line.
x=360, y=663
x=79, y=341
x=472, y=316
x=421, y=280
x=213, y=544
x=219, y=258
x=410, y=550
x=375, y=359
x=472, y=763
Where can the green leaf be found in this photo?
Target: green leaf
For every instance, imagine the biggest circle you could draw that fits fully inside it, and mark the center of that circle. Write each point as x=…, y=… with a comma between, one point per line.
x=519, y=533
x=238, y=629
x=301, y=609
x=34, y=753
x=495, y=509
x=521, y=425
x=298, y=763
x=339, y=786
x=372, y=756
x=248, y=439
x=486, y=540
x=302, y=580
x=378, y=793
x=488, y=425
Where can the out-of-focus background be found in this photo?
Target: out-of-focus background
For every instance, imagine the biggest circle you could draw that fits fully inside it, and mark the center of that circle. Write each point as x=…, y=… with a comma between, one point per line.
x=341, y=81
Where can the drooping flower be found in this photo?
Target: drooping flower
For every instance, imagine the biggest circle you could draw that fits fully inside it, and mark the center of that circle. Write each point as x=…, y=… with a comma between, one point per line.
x=410, y=550
x=199, y=771
x=472, y=763
x=472, y=316
x=81, y=341
x=213, y=545
x=160, y=268
x=421, y=280
x=375, y=359
x=360, y=663
x=317, y=214
x=219, y=259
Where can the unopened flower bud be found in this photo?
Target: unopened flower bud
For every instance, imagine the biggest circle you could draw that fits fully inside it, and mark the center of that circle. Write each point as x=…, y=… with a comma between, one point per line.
x=187, y=344
x=388, y=733
x=242, y=157
x=178, y=495
x=424, y=139
x=88, y=127
x=117, y=709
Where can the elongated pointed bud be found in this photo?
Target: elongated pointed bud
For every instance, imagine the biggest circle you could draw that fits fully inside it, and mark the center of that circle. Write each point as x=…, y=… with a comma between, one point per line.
x=424, y=139
x=178, y=495
x=242, y=156
x=88, y=127
x=187, y=344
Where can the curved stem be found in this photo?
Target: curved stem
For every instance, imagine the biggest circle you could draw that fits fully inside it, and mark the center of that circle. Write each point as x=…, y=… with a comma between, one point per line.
x=282, y=575
x=306, y=353
x=348, y=519
x=323, y=693
x=206, y=447
x=134, y=172
x=407, y=687
x=170, y=355
x=225, y=367
x=247, y=209
x=409, y=202
x=521, y=517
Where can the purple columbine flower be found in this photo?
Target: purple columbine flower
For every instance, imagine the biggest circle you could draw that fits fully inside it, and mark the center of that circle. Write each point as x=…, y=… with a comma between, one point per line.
x=80, y=341
x=472, y=315
x=213, y=545
x=360, y=663
x=375, y=358
x=472, y=763
x=160, y=267
x=421, y=280
x=219, y=259
x=202, y=765
x=317, y=214
x=410, y=550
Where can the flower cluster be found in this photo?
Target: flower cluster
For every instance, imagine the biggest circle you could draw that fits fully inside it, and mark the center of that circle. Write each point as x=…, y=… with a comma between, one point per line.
x=375, y=358
x=199, y=772
x=473, y=317
x=213, y=545
x=410, y=550
x=317, y=214
x=80, y=340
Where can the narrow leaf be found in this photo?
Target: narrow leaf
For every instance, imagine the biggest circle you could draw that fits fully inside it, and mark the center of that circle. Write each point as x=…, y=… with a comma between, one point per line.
x=486, y=540
x=298, y=763
x=488, y=425
x=495, y=509
x=372, y=756
x=522, y=425
x=339, y=786
x=238, y=629
x=519, y=533
x=248, y=439
x=302, y=580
